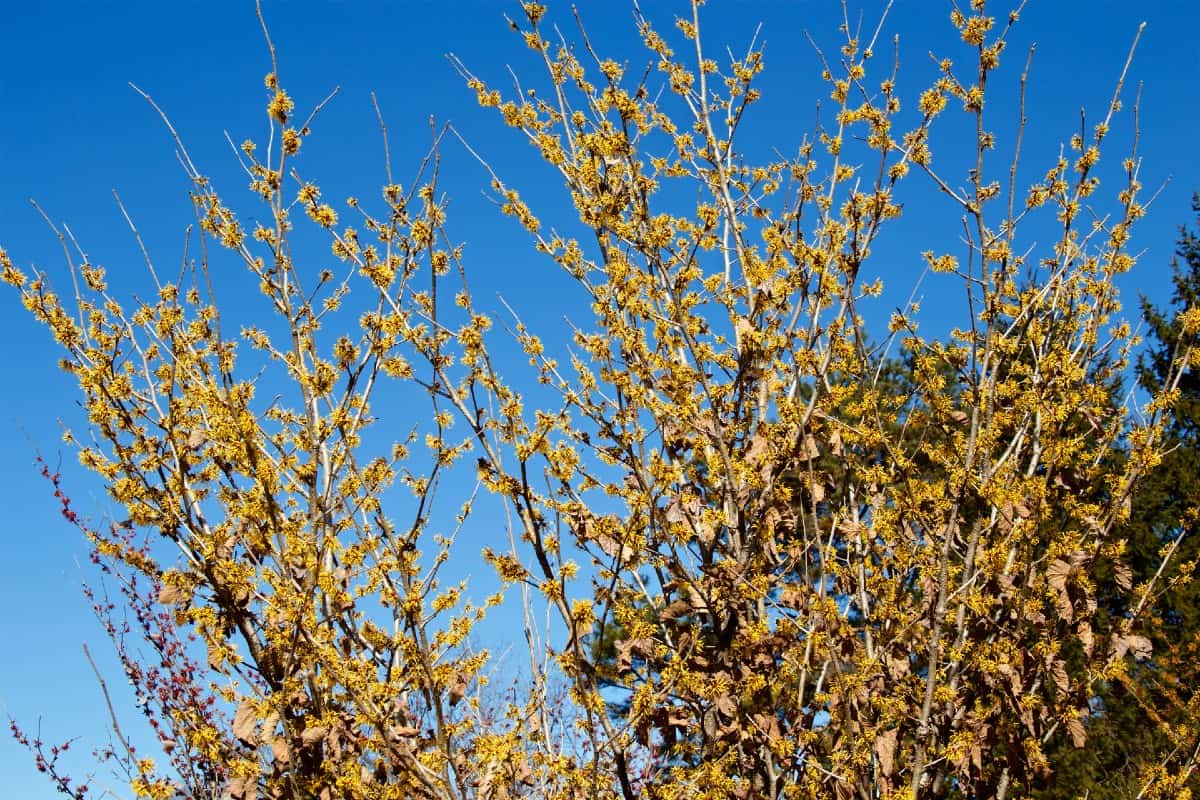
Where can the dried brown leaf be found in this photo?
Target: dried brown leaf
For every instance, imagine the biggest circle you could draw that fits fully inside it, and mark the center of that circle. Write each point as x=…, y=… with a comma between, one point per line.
x=403, y=731
x=241, y=787
x=810, y=449
x=769, y=725
x=679, y=608
x=885, y=751
x=1123, y=577
x=628, y=649
x=1058, y=671
x=757, y=449
x=280, y=750
x=612, y=547
x=245, y=720
x=1009, y=514
x=169, y=595
x=1086, y=639
x=314, y=734
x=1140, y=646
x=708, y=723
x=793, y=597
x=215, y=657
x=458, y=688
x=1077, y=731
x=898, y=666
x=675, y=513
x=1058, y=574
x=727, y=705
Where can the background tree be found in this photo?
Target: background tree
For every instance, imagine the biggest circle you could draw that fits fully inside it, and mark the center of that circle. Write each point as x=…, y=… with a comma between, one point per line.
x=1152, y=711
x=832, y=582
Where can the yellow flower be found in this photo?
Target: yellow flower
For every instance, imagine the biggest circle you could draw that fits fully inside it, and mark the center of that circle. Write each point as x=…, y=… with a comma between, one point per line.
x=291, y=141
x=280, y=106
x=932, y=101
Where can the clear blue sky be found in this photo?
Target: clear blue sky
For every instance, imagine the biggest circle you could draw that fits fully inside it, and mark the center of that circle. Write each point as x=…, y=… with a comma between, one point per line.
x=71, y=131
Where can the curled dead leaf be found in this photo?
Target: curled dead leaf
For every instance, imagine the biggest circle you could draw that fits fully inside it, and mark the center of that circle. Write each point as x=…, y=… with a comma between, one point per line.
x=793, y=597
x=403, y=732
x=613, y=548
x=679, y=608
x=313, y=735
x=170, y=594
x=215, y=656
x=898, y=666
x=885, y=751
x=245, y=720
x=1086, y=638
x=768, y=724
x=1058, y=573
x=726, y=705
x=1009, y=514
x=457, y=688
x=1077, y=732
x=708, y=723
x=1058, y=671
x=809, y=449
x=757, y=450
x=850, y=527
x=771, y=519
x=1123, y=577
x=674, y=512
x=241, y=787
x=628, y=649
x=1139, y=646
x=1057, y=576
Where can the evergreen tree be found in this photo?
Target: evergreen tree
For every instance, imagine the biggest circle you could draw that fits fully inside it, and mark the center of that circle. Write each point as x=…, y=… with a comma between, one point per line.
x=1153, y=708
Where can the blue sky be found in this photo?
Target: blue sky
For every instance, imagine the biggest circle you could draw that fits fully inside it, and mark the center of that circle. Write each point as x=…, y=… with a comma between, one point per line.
x=71, y=130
